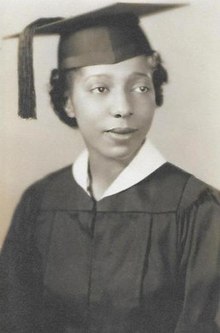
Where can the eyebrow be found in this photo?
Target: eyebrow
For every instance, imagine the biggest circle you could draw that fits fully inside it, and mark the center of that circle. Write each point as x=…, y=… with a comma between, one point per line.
x=108, y=76
x=146, y=75
x=98, y=76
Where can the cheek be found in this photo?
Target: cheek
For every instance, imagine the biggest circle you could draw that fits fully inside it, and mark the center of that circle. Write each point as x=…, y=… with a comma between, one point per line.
x=145, y=107
x=84, y=102
x=85, y=115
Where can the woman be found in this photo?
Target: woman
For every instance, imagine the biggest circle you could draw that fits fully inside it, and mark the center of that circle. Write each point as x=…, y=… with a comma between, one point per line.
x=123, y=241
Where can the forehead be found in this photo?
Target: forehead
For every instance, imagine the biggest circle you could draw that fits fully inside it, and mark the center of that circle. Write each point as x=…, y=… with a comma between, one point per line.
x=140, y=65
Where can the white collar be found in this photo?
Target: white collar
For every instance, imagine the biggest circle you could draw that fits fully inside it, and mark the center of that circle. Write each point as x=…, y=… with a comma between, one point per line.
x=147, y=160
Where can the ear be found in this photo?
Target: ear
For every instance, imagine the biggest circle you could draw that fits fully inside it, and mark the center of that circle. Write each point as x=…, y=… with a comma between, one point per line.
x=69, y=109
x=154, y=59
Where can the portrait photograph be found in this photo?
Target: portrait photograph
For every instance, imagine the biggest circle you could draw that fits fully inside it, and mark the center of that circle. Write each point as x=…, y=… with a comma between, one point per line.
x=110, y=166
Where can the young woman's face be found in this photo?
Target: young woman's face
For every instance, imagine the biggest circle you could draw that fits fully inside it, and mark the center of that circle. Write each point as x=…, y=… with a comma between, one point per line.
x=114, y=106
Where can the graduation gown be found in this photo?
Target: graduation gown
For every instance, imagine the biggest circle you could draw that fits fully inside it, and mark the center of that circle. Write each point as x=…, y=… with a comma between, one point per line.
x=145, y=260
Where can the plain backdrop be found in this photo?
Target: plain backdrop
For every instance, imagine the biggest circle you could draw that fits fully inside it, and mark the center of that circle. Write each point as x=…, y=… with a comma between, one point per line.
x=186, y=129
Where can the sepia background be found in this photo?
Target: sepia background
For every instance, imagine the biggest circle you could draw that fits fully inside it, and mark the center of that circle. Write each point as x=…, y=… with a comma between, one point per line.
x=186, y=129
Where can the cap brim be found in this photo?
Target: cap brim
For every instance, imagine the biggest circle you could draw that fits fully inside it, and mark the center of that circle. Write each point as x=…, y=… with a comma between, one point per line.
x=139, y=10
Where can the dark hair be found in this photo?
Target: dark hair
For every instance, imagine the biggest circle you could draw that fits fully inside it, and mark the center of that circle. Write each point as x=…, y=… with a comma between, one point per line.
x=58, y=89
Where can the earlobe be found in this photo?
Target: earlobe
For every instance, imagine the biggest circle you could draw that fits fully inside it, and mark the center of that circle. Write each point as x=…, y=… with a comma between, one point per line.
x=69, y=109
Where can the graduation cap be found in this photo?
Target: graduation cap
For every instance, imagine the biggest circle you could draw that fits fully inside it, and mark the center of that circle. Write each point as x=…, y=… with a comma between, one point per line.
x=105, y=36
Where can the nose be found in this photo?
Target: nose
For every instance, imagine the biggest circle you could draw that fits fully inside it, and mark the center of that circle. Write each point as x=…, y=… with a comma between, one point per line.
x=121, y=105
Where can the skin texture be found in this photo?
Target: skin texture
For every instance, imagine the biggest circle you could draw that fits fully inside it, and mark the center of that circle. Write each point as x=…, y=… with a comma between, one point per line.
x=114, y=106
x=59, y=84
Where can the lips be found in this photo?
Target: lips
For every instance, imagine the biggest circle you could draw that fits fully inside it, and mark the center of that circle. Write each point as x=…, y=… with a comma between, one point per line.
x=122, y=130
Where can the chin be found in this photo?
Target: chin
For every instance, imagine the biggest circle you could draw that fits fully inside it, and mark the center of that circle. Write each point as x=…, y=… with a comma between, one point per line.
x=121, y=153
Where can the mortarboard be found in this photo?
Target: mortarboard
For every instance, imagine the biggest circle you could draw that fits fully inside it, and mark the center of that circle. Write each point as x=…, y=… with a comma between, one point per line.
x=105, y=36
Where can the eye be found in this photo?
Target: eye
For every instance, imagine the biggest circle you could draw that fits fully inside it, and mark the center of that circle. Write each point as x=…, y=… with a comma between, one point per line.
x=99, y=90
x=141, y=89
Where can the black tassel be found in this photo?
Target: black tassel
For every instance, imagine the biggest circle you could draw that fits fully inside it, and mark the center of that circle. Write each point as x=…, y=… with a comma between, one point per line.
x=27, y=98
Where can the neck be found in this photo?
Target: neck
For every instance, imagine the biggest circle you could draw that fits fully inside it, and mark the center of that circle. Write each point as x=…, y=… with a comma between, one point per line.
x=103, y=172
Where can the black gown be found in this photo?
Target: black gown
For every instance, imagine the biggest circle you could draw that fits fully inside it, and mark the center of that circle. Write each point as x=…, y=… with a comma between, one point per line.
x=145, y=260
